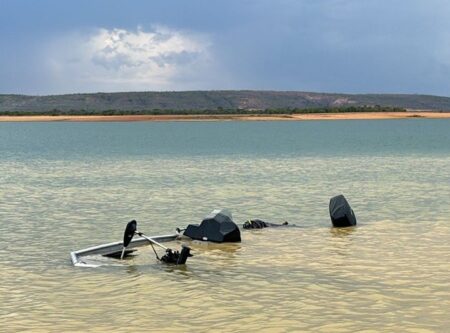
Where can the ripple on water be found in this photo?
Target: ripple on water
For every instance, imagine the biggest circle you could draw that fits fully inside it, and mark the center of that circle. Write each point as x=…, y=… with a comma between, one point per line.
x=388, y=274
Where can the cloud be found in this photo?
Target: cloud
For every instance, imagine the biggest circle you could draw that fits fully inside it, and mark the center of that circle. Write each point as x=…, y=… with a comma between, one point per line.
x=322, y=45
x=120, y=59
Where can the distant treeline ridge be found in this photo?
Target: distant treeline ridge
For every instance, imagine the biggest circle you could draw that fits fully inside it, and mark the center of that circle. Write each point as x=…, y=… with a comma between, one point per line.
x=218, y=111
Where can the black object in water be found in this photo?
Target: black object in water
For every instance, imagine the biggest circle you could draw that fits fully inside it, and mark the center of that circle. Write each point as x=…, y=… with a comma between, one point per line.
x=130, y=230
x=217, y=227
x=341, y=213
x=175, y=257
x=260, y=224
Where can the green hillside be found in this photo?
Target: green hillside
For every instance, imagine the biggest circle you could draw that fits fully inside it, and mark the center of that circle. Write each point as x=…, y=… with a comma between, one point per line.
x=212, y=101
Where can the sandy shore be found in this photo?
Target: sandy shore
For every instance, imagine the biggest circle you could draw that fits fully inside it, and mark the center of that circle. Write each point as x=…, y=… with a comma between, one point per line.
x=240, y=117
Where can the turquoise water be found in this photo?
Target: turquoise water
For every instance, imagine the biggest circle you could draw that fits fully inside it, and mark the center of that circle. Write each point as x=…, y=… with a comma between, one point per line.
x=66, y=186
x=253, y=139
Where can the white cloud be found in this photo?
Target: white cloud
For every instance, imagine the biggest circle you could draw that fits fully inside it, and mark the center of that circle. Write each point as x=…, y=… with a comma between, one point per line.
x=119, y=59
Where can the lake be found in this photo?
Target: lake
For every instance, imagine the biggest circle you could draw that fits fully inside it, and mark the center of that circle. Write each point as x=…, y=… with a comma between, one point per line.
x=67, y=186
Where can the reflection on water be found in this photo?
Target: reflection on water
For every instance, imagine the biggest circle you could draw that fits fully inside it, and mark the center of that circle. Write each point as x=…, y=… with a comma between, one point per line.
x=390, y=273
x=342, y=232
x=341, y=240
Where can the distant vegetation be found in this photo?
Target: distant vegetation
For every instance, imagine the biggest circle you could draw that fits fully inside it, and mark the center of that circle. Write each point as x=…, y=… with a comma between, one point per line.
x=218, y=111
x=215, y=102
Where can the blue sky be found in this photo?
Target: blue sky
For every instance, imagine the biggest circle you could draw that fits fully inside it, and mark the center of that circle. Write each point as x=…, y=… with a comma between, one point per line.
x=352, y=46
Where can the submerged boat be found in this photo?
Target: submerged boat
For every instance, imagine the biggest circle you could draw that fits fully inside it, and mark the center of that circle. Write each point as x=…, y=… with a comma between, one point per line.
x=115, y=249
x=217, y=227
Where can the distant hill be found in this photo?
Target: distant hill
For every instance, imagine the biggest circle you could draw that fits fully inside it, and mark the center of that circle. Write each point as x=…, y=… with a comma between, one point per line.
x=243, y=100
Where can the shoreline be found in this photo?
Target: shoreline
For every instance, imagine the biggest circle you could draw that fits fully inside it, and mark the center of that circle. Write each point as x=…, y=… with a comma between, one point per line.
x=231, y=117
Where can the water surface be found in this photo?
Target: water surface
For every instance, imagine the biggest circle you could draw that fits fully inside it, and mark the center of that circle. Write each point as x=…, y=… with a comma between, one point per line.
x=66, y=186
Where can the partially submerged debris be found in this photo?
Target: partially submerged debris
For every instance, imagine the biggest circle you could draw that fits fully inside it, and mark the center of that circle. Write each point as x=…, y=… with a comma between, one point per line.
x=260, y=224
x=341, y=213
x=217, y=227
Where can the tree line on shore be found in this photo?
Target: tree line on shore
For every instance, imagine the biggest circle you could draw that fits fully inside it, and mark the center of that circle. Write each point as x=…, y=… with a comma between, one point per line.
x=218, y=111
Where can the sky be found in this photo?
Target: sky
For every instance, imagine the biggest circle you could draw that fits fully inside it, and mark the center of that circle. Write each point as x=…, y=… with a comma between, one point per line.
x=344, y=46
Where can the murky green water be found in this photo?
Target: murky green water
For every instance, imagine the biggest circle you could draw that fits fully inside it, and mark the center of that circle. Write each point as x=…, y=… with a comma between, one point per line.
x=66, y=186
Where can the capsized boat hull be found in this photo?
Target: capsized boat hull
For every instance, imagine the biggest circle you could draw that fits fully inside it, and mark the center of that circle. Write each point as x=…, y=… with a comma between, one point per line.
x=105, y=249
